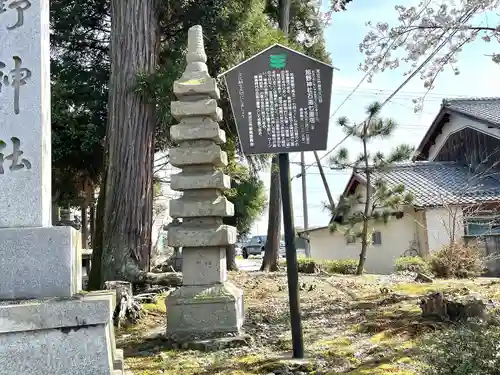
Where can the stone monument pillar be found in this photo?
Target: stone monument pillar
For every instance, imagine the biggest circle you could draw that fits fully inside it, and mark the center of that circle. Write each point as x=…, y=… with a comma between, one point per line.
x=207, y=305
x=46, y=327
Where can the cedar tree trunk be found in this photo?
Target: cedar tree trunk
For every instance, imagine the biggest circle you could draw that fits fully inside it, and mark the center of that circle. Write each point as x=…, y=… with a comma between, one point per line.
x=128, y=215
x=270, y=261
x=231, y=258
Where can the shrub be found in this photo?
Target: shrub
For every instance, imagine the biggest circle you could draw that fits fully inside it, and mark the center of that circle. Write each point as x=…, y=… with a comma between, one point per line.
x=345, y=266
x=464, y=350
x=458, y=260
x=307, y=265
x=411, y=264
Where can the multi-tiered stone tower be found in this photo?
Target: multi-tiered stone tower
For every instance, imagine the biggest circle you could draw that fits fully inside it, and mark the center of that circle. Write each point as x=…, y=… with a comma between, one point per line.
x=207, y=305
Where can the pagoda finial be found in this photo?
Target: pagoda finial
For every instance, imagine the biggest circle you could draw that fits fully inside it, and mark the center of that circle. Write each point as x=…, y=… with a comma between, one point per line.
x=196, y=57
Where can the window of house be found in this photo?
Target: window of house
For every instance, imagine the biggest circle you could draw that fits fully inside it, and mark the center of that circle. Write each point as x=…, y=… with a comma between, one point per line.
x=377, y=238
x=350, y=239
x=480, y=226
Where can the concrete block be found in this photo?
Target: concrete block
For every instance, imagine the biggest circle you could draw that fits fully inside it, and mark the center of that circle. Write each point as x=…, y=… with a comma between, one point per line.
x=56, y=336
x=198, y=155
x=182, y=236
x=194, y=181
x=118, y=363
x=197, y=86
x=40, y=262
x=199, y=108
x=186, y=207
x=205, y=266
x=191, y=129
x=204, y=311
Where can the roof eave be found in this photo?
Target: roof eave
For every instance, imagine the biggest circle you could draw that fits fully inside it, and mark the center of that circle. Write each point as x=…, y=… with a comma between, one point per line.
x=430, y=132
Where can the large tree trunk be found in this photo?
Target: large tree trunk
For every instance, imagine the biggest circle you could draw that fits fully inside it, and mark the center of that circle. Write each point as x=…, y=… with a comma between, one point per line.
x=231, y=258
x=132, y=117
x=270, y=261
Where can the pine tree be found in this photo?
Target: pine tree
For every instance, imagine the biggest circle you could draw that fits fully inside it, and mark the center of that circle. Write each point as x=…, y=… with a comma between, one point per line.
x=378, y=201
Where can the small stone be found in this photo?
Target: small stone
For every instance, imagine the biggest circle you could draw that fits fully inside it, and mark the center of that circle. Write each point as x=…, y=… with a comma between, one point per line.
x=423, y=278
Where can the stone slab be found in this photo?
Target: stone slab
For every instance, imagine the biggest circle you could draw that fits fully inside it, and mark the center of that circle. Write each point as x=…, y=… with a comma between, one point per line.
x=40, y=262
x=25, y=179
x=194, y=181
x=191, y=129
x=197, y=86
x=119, y=362
x=57, y=336
x=205, y=266
x=182, y=236
x=185, y=207
x=215, y=344
x=186, y=156
x=204, y=311
x=198, y=108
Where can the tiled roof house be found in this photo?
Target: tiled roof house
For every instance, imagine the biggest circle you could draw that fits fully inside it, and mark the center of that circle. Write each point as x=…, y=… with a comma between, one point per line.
x=457, y=164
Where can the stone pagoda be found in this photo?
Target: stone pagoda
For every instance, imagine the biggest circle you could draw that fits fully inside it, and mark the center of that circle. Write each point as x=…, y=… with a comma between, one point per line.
x=207, y=305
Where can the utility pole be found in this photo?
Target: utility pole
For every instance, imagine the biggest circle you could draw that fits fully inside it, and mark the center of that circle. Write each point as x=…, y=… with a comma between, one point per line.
x=291, y=251
x=304, y=200
x=325, y=183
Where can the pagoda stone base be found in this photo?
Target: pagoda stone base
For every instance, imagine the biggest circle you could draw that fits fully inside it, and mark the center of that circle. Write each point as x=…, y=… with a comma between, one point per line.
x=59, y=336
x=195, y=312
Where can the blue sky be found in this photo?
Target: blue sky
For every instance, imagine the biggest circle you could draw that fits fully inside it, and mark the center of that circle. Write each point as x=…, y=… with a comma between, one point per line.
x=479, y=77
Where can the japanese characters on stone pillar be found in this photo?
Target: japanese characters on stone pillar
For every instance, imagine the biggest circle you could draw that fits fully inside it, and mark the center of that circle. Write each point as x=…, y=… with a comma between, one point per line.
x=207, y=304
x=42, y=313
x=25, y=152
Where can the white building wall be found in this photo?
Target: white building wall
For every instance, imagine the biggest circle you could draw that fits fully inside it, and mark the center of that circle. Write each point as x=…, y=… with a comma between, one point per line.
x=396, y=238
x=443, y=224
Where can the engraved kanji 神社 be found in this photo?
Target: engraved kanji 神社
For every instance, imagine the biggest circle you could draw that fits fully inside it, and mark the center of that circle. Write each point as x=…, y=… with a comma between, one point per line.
x=16, y=162
x=16, y=78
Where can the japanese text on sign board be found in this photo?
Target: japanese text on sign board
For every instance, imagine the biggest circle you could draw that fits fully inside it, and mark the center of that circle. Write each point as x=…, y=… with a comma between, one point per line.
x=276, y=109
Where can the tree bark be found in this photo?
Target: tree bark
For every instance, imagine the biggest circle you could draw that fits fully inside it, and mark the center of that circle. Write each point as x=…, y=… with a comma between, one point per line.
x=95, y=277
x=270, y=261
x=231, y=258
x=85, y=224
x=128, y=210
x=126, y=307
x=366, y=213
x=92, y=221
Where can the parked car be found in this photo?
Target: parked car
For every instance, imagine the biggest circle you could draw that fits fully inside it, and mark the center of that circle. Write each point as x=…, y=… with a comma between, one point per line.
x=282, y=249
x=254, y=246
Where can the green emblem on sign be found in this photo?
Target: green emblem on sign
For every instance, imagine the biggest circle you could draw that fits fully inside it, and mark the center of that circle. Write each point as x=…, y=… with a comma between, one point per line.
x=277, y=61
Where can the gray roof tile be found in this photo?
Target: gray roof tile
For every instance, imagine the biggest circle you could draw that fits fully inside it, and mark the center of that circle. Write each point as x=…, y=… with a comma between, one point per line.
x=435, y=184
x=487, y=109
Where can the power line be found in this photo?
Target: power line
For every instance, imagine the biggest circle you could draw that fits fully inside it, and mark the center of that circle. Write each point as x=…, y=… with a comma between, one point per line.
x=464, y=19
x=373, y=67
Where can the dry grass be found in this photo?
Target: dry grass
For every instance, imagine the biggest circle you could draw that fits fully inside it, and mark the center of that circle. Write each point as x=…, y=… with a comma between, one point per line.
x=349, y=326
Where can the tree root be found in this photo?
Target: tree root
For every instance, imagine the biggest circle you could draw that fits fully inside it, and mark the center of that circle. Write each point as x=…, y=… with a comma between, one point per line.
x=138, y=277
